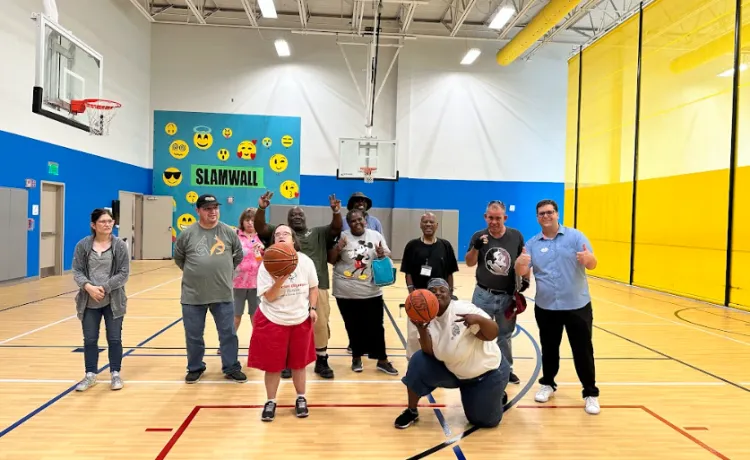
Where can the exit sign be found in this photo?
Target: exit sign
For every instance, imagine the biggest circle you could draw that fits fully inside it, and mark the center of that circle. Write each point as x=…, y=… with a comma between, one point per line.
x=53, y=168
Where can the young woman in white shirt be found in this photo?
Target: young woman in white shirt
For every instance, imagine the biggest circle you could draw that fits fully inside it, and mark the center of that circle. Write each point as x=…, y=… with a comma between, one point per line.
x=282, y=336
x=458, y=350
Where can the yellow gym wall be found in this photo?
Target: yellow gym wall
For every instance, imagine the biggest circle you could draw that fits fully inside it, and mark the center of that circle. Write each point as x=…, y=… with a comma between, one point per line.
x=684, y=147
x=571, y=142
x=607, y=141
x=740, y=293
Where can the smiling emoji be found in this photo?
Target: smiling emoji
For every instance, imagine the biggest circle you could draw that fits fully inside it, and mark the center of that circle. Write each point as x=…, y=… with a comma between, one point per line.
x=179, y=149
x=170, y=129
x=191, y=197
x=289, y=189
x=222, y=154
x=287, y=141
x=172, y=177
x=185, y=221
x=278, y=163
x=246, y=150
x=203, y=138
x=226, y=132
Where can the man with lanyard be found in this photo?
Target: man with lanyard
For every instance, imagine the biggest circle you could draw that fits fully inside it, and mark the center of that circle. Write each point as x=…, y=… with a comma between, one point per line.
x=360, y=201
x=494, y=251
x=427, y=257
x=314, y=243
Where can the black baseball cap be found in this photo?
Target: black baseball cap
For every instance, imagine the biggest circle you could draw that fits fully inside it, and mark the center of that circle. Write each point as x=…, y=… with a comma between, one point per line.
x=205, y=200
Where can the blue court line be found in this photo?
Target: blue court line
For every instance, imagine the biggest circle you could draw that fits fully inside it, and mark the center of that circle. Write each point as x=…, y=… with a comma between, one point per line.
x=39, y=409
x=446, y=429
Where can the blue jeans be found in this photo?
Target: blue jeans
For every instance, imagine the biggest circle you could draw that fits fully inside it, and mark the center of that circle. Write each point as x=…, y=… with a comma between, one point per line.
x=92, y=320
x=481, y=397
x=194, y=320
x=495, y=305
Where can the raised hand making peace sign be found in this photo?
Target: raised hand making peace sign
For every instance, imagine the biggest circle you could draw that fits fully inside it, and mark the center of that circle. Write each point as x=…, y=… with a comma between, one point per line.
x=335, y=204
x=265, y=200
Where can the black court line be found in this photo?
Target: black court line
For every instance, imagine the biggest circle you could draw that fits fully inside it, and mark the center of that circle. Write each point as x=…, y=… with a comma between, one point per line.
x=721, y=316
x=696, y=368
x=64, y=293
x=678, y=315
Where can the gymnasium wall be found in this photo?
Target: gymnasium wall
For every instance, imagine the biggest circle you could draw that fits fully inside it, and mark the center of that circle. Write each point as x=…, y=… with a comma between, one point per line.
x=93, y=169
x=654, y=169
x=467, y=134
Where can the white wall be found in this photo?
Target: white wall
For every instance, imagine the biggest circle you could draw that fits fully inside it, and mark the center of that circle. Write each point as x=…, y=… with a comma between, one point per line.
x=482, y=122
x=228, y=70
x=117, y=31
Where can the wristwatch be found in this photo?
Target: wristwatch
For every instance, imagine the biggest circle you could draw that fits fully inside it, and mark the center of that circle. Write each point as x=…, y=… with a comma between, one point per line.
x=314, y=308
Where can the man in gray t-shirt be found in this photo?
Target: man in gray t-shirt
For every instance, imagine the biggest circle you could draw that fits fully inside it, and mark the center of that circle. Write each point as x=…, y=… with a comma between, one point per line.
x=207, y=252
x=494, y=251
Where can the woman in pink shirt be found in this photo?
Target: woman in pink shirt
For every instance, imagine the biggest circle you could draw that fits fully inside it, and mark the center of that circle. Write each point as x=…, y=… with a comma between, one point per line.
x=246, y=274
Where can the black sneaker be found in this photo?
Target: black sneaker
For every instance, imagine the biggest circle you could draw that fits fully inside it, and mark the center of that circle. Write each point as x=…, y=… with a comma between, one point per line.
x=300, y=407
x=237, y=376
x=286, y=374
x=194, y=376
x=514, y=379
x=505, y=398
x=269, y=411
x=357, y=365
x=406, y=419
x=387, y=368
x=322, y=368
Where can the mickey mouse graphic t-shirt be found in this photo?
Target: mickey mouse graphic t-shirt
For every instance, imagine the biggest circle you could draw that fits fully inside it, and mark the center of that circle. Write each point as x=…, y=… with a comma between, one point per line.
x=352, y=274
x=496, y=259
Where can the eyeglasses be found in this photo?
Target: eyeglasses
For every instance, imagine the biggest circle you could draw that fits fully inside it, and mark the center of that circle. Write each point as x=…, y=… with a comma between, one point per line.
x=105, y=222
x=495, y=202
x=284, y=234
x=545, y=213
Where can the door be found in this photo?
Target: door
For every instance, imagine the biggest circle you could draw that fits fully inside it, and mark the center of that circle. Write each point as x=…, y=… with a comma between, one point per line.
x=52, y=216
x=138, y=228
x=157, y=227
x=127, y=216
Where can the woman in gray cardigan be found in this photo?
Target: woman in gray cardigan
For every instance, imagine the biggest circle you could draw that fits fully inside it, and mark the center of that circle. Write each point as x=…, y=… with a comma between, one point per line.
x=101, y=266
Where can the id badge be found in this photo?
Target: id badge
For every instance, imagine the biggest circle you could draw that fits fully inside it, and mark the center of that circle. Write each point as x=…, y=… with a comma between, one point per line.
x=426, y=270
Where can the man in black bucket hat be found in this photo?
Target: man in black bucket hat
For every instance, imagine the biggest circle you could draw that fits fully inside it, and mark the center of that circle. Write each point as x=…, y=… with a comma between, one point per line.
x=360, y=201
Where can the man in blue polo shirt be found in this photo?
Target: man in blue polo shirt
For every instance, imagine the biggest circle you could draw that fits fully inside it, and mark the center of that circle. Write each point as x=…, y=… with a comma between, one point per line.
x=559, y=257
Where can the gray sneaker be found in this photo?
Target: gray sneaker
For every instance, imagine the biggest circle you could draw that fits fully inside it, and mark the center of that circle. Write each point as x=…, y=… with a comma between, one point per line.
x=88, y=381
x=116, y=381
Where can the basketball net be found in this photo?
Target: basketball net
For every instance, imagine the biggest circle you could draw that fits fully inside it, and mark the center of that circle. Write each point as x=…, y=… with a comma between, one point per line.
x=100, y=113
x=368, y=174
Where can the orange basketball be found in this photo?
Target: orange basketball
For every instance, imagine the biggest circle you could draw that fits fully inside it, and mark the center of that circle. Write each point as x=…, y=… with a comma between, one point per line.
x=280, y=259
x=421, y=306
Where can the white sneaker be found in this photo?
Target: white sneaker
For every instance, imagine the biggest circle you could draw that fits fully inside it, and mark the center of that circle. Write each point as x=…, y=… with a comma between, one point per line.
x=116, y=381
x=592, y=405
x=88, y=381
x=544, y=393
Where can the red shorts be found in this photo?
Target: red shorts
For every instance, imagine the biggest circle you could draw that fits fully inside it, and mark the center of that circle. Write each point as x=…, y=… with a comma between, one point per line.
x=274, y=347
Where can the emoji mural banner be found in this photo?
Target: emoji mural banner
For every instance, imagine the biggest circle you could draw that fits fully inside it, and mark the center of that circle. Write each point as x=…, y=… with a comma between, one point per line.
x=227, y=155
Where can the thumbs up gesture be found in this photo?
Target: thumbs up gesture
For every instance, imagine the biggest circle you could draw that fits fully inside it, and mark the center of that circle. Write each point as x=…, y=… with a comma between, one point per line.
x=380, y=251
x=584, y=256
x=524, y=258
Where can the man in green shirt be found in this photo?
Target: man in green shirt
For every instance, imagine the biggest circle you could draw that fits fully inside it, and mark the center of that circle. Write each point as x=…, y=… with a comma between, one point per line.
x=314, y=243
x=207, y=252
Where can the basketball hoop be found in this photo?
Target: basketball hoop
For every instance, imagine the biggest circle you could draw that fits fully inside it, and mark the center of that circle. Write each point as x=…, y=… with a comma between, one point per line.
x=100, y=112
x=368, y=174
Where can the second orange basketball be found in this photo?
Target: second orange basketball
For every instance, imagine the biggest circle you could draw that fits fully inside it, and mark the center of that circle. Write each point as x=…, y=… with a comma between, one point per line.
x=280, y=259
x=421, y=306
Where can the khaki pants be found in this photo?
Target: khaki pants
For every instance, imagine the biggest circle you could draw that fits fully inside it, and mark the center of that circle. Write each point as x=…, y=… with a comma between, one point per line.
x=322, y=329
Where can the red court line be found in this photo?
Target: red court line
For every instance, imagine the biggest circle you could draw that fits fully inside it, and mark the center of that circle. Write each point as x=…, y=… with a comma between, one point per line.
x=185, y=423
x=651, y=413
x=158, y=429
x=696, y=428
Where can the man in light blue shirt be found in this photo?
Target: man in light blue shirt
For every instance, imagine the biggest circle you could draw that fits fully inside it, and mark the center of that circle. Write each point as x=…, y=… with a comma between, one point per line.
x=559, y=257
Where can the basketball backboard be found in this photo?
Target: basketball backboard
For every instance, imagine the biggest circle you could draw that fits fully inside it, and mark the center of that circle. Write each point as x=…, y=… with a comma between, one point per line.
x=357, y=153
x=67, y=69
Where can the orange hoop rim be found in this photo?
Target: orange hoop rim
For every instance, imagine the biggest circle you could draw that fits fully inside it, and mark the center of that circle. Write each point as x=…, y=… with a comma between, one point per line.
x=101, y=104
x=367, y=169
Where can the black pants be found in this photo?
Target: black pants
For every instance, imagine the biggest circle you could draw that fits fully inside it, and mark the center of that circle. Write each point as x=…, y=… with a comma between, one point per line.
x=363, y=319
x=578, y=324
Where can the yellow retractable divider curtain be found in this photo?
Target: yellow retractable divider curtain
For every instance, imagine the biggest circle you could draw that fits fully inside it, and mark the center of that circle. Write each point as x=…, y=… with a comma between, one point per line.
x=685, y=127
x=740, y=294
x=607, y=146
x=571, y=138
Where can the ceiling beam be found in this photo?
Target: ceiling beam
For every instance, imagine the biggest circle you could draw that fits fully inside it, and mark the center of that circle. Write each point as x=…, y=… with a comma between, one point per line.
x=303, y=14
x=195, y=11
x=458, y=22
x=249, y=12
x=142, y=9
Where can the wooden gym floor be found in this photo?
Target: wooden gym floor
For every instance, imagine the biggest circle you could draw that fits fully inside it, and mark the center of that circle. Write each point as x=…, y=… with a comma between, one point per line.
x=674, y=376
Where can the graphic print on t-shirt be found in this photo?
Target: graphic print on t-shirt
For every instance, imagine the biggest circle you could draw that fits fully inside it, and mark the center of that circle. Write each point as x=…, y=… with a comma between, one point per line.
x=360, y=254
x=497, y=261
x=218, y=248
